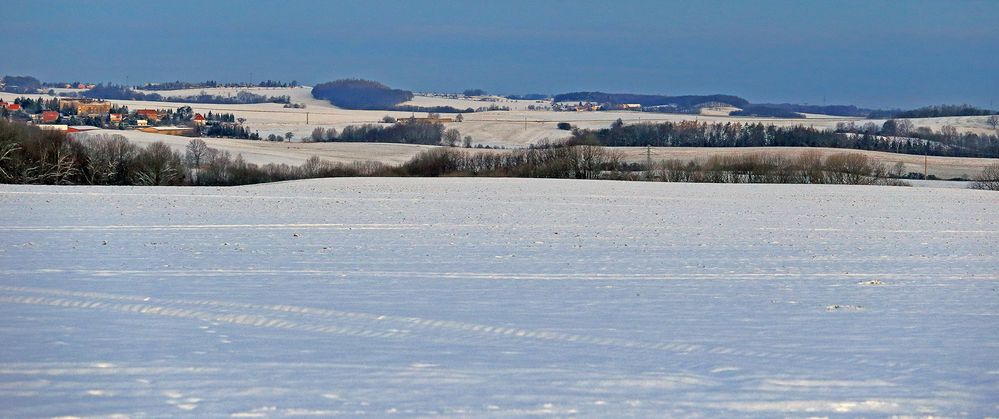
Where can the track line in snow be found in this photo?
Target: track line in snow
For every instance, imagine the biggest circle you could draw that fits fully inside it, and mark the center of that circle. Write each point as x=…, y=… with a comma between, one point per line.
x=186, y=227
x=368, y=325
x=574, y=276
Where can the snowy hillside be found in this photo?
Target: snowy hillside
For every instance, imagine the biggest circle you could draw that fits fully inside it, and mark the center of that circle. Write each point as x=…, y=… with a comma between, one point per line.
x=498, y=297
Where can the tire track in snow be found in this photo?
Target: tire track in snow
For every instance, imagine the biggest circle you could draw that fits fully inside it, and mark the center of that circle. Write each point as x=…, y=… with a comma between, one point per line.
x=317, y=320
x=187, y=227
x=594, y=276
x=166, y=311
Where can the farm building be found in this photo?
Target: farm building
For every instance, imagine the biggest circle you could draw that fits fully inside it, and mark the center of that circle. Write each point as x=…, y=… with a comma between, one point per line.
x=181, y=131
x=54, y=127
x=426, y=120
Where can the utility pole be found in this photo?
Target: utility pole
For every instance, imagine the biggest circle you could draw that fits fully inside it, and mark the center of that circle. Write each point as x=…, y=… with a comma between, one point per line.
x=926, y=159
x=306, y=118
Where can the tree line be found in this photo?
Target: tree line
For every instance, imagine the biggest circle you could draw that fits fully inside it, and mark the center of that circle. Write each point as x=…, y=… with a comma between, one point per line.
x=767, y=112
x=182, y=85
x=403, y=132
x=686, y=101
x=20, y=84
x=943, y=110
x=593, y=162
x=116, y=92
x=702, y=134
x=838, y=110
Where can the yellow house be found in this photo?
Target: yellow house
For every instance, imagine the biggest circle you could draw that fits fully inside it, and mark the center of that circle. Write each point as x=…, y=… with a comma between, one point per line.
x=85, y=107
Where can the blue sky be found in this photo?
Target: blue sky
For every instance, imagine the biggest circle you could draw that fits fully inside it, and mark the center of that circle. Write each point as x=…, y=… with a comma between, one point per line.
x=869, y=53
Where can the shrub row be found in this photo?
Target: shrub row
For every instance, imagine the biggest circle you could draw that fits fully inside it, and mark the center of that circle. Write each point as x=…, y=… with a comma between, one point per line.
x=33, y=156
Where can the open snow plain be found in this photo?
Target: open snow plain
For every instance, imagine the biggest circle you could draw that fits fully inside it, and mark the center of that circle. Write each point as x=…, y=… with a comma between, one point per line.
x=498, y=297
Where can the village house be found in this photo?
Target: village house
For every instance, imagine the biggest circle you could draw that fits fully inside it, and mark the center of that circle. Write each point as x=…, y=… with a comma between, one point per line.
x=85, y=107
x=13, y=107
x=93, y=108
x=199, y=119
x=116, y=117
x=49, y=117
x=149, y=114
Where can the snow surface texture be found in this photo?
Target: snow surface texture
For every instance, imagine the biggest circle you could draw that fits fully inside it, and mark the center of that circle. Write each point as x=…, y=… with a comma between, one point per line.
x=498, y=297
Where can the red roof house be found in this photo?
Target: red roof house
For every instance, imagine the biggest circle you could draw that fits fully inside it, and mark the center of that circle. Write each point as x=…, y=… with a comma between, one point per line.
x=12, y=107
x=149, y=114
x=199, y=119
x=50, y=116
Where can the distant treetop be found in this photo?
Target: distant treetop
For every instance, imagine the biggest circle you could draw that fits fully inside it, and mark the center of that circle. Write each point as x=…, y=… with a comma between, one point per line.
x=360, y=94
x=686, y=101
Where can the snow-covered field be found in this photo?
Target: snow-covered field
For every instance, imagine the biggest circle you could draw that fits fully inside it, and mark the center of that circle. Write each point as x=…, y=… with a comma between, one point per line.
x=498, y=297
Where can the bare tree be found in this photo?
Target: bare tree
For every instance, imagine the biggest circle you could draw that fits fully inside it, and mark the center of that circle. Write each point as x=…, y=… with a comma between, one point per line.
x=949, y=132
x=317, y=134
x=158, y=165
x=194, y=156
x=988, y=179
x=903, y=127
x=108, y=159
x=288, y=136
x=451, y=137
x=468, y=141
x=993, y=121
x=314, y=167
x=459, y=118
x=195, y=152
x=388, y=119
x=6, y=150
x=898, y=170
x=330, y=134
